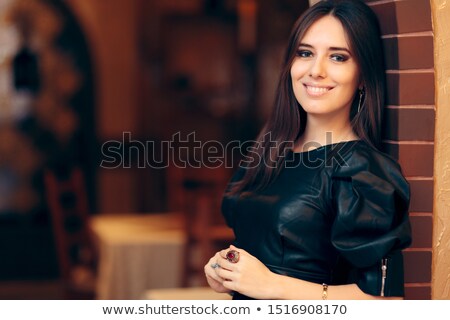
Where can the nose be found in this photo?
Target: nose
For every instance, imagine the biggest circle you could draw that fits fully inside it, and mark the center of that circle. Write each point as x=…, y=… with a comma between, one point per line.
x=317, y=69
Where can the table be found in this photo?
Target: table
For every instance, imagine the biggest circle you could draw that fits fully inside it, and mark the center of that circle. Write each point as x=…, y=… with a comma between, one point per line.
x=199, y=293
x=137, y=252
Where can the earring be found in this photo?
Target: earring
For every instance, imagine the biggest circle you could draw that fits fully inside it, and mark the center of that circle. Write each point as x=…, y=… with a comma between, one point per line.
x=361, y=95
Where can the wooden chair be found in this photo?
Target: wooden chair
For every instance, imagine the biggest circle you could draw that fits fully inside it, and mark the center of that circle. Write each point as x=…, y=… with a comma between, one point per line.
x=199, y=193
x=67, y=202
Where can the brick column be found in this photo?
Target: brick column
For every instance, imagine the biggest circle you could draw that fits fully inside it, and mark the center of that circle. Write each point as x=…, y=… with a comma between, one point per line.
x=409, y=123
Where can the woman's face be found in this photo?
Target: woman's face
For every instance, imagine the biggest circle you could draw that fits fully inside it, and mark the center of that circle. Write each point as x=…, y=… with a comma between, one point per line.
x=324, y=73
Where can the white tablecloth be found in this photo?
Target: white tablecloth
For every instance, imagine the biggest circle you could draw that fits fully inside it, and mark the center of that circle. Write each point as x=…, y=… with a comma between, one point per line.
x=200, y=293
x=137, y=252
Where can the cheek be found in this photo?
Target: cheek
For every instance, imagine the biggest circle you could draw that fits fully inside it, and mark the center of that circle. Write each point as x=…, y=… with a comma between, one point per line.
x=348, y=78
x=293, y=73
x=297, y=70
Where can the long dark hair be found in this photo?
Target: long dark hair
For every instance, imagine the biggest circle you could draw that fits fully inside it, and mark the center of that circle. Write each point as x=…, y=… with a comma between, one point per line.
x=288, y=119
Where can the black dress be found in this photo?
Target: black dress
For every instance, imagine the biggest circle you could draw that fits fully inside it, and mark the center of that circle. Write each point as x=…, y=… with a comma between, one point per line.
x=337, y=215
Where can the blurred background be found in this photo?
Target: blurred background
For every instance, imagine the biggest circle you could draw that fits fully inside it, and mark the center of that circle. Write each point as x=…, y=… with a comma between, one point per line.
x=75, y=75
x=91, y=91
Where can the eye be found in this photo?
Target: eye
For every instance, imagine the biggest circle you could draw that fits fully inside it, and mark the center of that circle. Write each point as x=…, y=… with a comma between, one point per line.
x=339, y=57
x=304, y=53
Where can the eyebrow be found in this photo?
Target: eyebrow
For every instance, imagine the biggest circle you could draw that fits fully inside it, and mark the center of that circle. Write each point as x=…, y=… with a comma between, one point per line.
x=330, y=48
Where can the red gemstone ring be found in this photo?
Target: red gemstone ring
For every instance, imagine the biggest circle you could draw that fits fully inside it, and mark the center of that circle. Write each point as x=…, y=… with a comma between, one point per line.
x=233, y=256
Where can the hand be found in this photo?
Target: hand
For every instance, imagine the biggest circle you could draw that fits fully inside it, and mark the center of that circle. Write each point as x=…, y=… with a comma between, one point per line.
x=214, y=280
x=248, y=276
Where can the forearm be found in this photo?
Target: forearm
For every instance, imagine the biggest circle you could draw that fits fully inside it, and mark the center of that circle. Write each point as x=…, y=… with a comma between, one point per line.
x=252, y=278
x=287, y=288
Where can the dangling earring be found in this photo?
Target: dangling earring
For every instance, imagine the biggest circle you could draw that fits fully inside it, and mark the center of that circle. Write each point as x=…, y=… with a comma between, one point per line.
x=361, y=95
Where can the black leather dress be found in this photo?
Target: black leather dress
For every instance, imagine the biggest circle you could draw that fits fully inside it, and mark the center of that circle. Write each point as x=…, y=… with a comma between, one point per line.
x=337, y=215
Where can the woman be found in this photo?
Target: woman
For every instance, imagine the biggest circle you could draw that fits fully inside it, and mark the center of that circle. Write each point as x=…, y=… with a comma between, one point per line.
x=326, y=216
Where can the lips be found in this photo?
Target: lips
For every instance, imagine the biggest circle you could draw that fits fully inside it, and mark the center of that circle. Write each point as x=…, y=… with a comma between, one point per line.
x=316, y=91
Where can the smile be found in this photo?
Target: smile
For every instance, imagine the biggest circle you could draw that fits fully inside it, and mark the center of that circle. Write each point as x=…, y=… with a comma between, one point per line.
x=317, y=91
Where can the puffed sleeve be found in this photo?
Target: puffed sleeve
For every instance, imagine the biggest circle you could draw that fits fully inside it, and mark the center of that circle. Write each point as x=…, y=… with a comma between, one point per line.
x=371, y=226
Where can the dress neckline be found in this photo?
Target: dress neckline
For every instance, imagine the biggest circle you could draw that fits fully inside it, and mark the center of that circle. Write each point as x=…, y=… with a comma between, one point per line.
x=327, y=146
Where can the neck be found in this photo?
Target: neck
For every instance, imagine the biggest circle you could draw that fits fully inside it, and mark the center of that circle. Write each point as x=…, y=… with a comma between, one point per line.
x=320, y=132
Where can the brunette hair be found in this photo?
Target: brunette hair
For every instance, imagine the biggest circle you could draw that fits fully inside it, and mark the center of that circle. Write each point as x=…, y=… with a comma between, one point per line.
x=288, y=119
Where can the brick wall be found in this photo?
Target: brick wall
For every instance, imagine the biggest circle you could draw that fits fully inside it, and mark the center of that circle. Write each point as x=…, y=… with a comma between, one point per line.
x=410, y=116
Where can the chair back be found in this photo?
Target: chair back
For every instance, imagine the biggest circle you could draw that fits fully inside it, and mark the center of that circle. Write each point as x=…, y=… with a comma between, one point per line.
x=198, y=193
x=69, y=210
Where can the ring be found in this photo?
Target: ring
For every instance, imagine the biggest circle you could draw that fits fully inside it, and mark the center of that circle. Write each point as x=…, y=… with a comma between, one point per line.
x=233, y=256
x=215, y=265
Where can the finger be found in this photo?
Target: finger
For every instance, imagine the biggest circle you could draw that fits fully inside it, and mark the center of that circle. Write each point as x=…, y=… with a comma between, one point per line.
x=211, y=266
x=230, y=285
x=232, y=255
x=215, y=278
x=208, y=270
x=225, y=274
x=223, y=253
x=226, y=264
x=216, y=260
x=212, y=260
x=220, y=262
x=240, y=250
x=212, y=274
